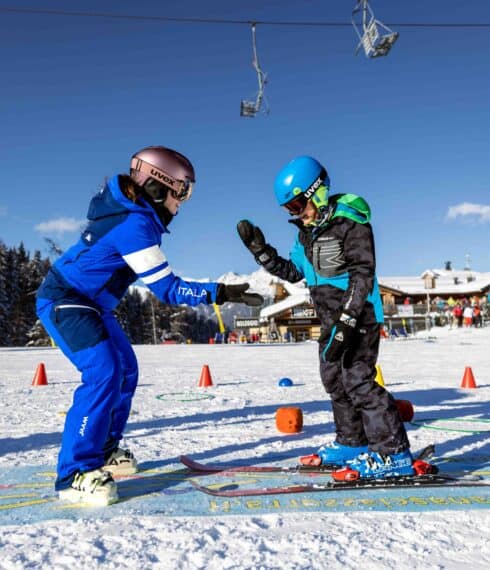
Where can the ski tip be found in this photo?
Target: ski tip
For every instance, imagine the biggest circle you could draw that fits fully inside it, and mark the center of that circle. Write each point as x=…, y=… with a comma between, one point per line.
x=186, y=460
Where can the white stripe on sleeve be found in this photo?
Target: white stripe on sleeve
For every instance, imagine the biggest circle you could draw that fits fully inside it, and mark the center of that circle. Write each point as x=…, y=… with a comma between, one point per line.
x=145, y=259
x=156, y=276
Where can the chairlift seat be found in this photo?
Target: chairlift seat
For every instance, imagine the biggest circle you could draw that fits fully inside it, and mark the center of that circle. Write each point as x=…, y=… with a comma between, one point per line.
x=248, y=109
x=376, y=44
x=385, y=44
x=375, y=37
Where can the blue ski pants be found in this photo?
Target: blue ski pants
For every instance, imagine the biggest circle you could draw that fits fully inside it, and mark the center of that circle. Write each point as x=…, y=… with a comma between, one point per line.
x=96, y=344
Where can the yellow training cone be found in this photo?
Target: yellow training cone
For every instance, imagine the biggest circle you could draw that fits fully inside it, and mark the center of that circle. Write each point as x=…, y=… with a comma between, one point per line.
x=379, y=376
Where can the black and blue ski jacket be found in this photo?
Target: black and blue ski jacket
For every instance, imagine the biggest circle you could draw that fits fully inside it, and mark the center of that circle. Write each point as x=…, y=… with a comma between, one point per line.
x=337, y=260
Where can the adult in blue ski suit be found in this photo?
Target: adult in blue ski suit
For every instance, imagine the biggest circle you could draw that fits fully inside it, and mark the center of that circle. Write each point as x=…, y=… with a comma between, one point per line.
x=334, y=253
x=121, y=244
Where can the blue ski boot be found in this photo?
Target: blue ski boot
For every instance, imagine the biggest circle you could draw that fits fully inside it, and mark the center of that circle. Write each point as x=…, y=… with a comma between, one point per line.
x=333, y=453
x=378, y=466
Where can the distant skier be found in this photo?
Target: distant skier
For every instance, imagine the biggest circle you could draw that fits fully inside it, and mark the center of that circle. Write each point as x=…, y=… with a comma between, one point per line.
x=334, y=252
x=468, y=316
x=120, y=245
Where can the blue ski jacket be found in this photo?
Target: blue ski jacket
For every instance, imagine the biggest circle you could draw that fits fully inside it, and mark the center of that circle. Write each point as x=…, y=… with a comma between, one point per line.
x=120, y=245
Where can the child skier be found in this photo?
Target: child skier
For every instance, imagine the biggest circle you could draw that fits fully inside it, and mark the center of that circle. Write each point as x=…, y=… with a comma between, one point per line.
x=120, y=245
x=334, y=252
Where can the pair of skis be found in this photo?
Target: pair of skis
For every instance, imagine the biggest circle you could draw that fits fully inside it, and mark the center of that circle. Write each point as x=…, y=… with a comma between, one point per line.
x=428, y=480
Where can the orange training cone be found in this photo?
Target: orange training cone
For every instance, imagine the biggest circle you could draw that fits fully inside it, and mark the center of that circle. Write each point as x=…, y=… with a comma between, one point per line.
x=468, y=378
x=40, y=378
x=289, y=420
x=205, y=380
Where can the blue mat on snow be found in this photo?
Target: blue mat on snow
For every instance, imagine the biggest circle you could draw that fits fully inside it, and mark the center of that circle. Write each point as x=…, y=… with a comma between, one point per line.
x=27, y=495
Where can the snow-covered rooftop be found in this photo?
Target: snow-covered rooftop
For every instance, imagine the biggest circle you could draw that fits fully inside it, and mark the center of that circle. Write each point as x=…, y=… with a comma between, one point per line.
x=447, y=282
x=298, y=298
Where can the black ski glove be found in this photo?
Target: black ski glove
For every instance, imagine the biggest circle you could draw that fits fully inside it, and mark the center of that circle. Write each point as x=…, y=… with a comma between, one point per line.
x=237, y=294
x=252, y=237
x=341, y=337
x=254, y=240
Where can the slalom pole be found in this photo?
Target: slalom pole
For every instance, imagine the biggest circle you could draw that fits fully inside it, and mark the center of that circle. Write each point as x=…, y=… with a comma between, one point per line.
x=218, y=316
x=404, y=324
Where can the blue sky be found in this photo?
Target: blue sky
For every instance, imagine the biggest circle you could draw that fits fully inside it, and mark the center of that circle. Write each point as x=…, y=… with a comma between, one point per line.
x=409, y=132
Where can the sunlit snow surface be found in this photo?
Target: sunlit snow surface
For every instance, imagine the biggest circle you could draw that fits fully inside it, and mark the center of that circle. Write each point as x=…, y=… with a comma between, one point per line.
x=163, y=522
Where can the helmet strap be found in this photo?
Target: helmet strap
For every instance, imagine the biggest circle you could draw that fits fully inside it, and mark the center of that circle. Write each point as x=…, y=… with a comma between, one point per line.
x=324, y=215
x=162, y=212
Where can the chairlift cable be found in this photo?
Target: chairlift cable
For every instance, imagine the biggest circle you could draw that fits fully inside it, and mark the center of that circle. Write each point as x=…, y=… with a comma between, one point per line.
x=319, y=24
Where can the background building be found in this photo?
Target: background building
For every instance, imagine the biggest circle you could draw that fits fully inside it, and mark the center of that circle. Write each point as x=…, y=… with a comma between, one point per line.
x=410, y=303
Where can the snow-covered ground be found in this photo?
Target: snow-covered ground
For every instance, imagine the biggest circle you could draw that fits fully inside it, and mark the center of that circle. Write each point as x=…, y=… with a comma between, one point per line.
x=238, y=424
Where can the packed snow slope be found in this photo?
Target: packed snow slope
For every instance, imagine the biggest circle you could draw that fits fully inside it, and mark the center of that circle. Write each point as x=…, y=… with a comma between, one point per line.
x=237, y=425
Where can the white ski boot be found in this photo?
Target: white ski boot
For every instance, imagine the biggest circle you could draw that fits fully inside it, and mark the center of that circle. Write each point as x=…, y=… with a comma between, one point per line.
x=121, y=462
x=95, y=487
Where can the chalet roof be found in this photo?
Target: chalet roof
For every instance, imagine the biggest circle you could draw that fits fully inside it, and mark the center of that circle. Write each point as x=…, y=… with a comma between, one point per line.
x=468, y=282
x=297, y=296
x=291, y=288
x=447, y=282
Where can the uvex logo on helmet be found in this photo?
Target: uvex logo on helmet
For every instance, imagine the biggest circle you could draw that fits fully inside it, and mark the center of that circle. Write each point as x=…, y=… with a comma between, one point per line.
x=313, y=188
x=161, y=176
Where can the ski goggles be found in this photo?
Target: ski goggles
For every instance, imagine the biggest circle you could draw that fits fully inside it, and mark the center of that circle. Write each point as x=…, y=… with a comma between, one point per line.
x=180, y=189
x=184, y=192
x=296, y=206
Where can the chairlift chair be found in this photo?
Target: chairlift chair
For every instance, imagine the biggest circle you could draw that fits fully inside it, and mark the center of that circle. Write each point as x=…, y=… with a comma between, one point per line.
x=376, y=38
x=248, y=109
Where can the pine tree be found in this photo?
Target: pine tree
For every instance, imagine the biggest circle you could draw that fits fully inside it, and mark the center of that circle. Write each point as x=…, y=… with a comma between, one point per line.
x=20, y=278
x=37, y=336
x=149, y=331
x=14, y=294
x=4, y=304
x=37, y=269
x=129, y=315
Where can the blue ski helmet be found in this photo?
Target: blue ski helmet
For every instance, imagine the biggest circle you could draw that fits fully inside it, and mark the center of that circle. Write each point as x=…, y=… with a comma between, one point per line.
x=305, y=178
